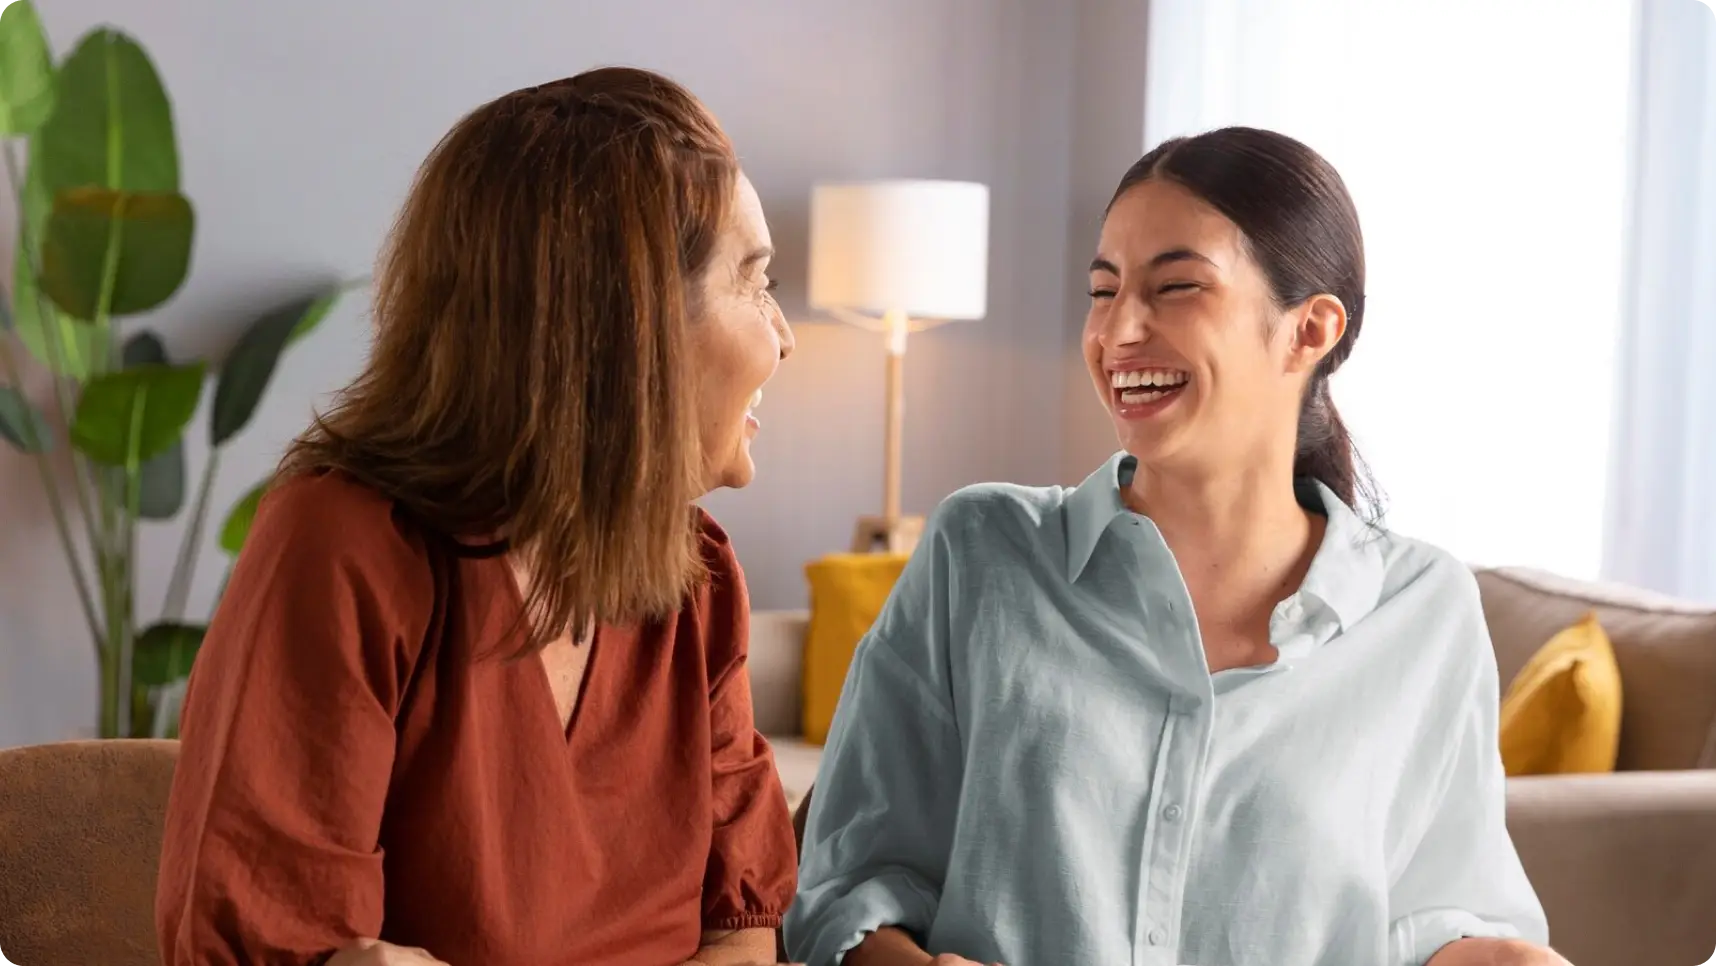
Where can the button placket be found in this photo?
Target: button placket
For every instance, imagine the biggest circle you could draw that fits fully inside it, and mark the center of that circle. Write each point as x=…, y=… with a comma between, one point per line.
x=1167, y=841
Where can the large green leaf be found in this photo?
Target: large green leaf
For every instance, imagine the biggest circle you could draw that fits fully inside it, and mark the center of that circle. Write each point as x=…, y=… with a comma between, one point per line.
x=68, y=347
x=21, y=424
x=77, y=349
x=164, y=653
x=26, y=70
x=236, y=529
x=136, y=414
x=135, y=247
x=162, y=483
x=247, y=371
x=113, y=125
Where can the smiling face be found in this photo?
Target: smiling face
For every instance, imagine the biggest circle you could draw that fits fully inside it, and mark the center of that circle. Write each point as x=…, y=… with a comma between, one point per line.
x=739, y=336
x=1198, y=366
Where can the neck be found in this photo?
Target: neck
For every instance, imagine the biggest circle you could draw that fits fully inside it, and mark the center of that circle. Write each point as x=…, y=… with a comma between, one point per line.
x=1243, y=530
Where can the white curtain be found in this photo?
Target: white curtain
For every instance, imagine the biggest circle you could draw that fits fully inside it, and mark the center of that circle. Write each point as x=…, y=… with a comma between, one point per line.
x=1662, y=523
x=1486, y=145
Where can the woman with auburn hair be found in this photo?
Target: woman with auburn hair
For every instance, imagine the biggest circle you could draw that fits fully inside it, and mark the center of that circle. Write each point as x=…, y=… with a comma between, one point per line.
x=476, y=693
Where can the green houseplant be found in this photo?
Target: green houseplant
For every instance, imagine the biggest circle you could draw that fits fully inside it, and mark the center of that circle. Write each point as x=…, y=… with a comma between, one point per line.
x=104, y=233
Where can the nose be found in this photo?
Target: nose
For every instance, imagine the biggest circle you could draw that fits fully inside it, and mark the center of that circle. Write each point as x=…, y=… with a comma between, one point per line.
x=1128, y=322
x=784, y=331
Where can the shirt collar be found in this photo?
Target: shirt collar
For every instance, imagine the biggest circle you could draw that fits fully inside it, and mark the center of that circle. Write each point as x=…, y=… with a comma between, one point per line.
x=1346, y=574
x=1092, y=506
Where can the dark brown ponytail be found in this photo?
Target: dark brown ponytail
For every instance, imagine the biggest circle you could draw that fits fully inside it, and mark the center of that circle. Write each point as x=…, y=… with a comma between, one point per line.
x=1325, y=451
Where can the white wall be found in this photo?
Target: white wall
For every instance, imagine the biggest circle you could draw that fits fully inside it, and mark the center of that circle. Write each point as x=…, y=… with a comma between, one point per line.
x=300, y=125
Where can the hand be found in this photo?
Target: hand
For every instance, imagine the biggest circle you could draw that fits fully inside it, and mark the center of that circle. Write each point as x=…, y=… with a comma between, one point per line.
x=949, y=959
x=371, y=952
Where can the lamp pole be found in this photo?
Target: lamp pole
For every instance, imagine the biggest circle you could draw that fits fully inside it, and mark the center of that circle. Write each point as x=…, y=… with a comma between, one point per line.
x=893, y=531
x=894, y=324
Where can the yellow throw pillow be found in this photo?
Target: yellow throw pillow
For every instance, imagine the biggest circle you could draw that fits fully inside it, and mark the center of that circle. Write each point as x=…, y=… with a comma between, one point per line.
x=1562, y=713
x=847, y=591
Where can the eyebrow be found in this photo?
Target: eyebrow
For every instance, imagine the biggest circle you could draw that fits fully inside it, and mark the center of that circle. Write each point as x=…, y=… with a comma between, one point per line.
x=1100, y=264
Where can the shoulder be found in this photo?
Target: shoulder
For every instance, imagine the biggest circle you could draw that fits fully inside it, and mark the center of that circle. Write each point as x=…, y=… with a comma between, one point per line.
x=1436, y=594
x=995, y=515
x=716, y=549
x=331, y=522
x=333, y=583
x=1425, y=570
x=1427, y=575
x=720, y=605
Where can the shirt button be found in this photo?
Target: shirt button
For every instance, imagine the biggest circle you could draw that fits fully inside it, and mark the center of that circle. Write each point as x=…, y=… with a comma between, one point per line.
x=1156, y=937
x=1171, y=813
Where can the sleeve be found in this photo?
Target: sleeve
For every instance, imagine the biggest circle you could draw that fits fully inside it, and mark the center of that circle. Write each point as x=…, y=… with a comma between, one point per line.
x=270, y=851
x=1464, y=878
x=881, y=819
x=753, y=860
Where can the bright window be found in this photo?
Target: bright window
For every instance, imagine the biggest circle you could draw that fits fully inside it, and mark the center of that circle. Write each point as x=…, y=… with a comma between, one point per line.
x=1486, y=147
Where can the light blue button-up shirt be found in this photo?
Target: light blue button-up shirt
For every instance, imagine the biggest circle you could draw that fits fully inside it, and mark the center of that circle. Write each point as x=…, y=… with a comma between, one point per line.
x=1031, y=763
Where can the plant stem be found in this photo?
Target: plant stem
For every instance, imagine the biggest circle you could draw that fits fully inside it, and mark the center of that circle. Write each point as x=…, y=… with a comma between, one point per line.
x=73, y=559
x=133, y=496
x=116, y=701
x=110, y=676
x=179, y=585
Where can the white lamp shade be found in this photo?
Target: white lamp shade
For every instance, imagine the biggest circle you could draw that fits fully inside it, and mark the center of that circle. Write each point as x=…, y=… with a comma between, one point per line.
x=917, y=247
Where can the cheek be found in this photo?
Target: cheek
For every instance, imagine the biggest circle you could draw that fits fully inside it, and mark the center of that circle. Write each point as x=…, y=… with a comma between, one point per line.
x=1092, y=339
x=734, y=355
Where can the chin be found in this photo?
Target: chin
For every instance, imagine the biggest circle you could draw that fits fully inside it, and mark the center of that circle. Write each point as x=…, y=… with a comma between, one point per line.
x=1149, y=444
x=737, y=471
x=736, y=478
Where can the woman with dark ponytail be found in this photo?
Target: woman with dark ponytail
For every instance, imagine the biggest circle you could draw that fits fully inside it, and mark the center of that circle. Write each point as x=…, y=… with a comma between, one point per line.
x=1201, y=708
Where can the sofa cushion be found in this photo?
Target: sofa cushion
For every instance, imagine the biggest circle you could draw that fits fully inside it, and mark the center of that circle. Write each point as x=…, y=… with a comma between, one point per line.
x=1666, y=650
x=847, y=591
x=1562, y=713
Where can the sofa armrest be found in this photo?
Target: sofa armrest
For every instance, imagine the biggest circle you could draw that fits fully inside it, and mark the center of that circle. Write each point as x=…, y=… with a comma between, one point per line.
x=797, y=761
x=1624, y=863
x=777, y=669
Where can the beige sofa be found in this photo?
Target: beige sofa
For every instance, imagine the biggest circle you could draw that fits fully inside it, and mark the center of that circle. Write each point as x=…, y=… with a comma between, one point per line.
x=1625, y=863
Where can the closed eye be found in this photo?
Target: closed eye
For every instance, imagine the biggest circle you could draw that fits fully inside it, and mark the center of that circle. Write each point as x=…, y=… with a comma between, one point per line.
x=1101, y=293
x=1177, y=287
x=773, y=284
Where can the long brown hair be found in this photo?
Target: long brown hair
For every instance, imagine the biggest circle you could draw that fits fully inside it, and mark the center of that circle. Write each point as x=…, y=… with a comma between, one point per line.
x=530, y=377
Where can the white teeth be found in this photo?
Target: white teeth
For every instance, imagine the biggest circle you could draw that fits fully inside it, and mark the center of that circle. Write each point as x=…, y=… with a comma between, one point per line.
x=756, y=399
x=1137, y=396
x=1133, y=378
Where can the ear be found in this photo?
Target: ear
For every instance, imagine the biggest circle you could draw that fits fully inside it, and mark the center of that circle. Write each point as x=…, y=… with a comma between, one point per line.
x=1318, y=324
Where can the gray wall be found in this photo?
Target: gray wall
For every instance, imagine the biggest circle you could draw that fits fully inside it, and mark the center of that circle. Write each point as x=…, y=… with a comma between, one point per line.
x=300, y=125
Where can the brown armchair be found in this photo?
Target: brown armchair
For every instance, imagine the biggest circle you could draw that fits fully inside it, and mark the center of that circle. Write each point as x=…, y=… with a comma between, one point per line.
x=80, y=840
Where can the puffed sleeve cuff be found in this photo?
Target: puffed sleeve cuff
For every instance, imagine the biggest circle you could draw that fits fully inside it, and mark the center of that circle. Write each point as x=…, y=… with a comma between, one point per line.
x=749, y=891
x=749, y=920
x=898, y=899
x=1418, y=937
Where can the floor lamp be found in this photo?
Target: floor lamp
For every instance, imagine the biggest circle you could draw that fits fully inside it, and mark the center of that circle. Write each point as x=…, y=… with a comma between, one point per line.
x=898, y=257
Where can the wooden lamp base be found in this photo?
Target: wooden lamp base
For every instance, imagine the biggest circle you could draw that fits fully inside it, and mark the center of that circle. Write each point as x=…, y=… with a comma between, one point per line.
x=898, y=534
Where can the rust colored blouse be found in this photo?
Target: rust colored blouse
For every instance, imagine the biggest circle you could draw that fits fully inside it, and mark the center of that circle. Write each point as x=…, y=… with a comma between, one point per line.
x=357, y=762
